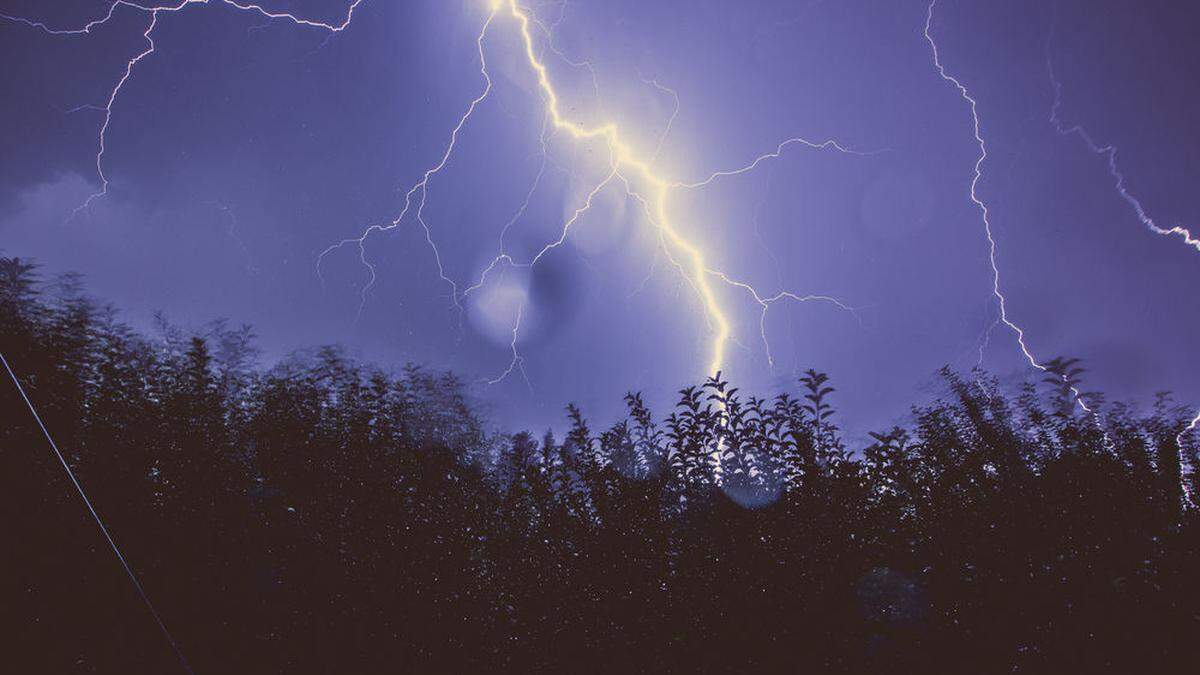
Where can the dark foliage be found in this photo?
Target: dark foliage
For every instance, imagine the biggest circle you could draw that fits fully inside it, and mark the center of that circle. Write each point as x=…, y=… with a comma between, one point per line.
x=327, y=516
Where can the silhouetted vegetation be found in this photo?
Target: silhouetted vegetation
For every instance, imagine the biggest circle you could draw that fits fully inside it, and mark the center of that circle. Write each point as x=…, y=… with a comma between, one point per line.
x=325, y=515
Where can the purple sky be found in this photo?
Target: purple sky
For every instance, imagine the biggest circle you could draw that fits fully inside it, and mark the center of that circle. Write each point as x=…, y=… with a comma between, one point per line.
x=244, y=146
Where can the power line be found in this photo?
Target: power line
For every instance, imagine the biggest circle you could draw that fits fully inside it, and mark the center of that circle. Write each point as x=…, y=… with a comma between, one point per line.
x=96, y=516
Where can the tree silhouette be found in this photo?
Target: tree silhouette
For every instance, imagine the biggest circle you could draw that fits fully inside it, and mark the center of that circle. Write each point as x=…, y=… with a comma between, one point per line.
x=322, y=514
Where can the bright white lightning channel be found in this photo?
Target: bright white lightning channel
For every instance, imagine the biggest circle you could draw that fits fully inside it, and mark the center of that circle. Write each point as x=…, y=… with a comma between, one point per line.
x=625, y=167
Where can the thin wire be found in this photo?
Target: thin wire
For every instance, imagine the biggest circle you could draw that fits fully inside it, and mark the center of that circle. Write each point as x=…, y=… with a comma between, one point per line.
x=96, y=516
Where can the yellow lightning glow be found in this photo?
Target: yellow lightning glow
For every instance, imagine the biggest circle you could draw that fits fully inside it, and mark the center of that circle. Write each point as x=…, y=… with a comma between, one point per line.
x=623, y=156
x=626, y=166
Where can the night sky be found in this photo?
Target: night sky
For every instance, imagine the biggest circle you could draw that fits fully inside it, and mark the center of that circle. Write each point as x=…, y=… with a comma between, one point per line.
x=243, y=146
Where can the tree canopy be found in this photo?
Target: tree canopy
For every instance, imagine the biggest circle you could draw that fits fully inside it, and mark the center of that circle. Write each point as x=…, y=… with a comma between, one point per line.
x=326, y=515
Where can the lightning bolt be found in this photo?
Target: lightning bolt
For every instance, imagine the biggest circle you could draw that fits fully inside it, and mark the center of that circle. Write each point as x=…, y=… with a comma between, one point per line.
x=153, y=12
x=982, y=206
x=662, y=140
x=626, y=166
x=422, y=186
x=634, y=171
x=232, y=232
x=1185, y=465
x=985, y=215
x=974, y=194
x=518, y=361
x=1109, y=152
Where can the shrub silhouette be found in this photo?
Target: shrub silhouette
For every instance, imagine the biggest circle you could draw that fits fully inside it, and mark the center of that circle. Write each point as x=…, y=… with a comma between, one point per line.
x=326, y=515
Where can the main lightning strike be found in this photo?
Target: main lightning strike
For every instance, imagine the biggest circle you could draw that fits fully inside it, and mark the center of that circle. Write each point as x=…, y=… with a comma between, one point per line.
x=624, y=161
x=621, y=157
x=625, y=166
